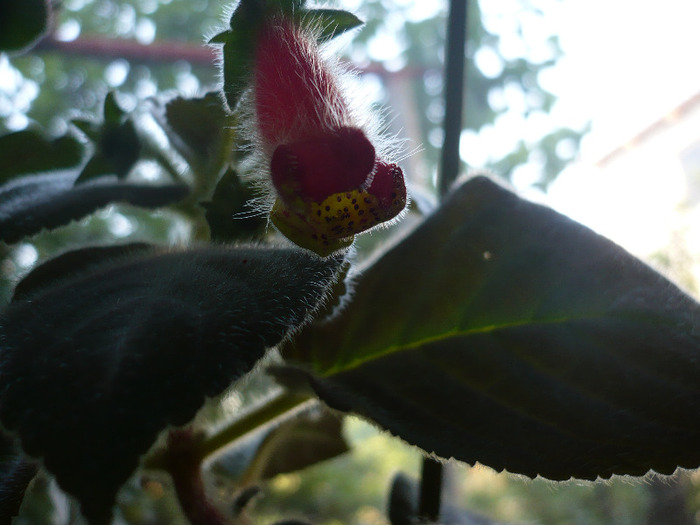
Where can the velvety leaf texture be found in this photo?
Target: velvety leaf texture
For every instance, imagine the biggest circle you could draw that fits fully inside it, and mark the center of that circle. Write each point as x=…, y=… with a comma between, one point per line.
x=504, y=333
x=94, y=366
x=36, y=202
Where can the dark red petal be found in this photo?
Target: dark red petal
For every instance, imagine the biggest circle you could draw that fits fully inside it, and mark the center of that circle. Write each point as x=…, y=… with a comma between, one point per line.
x=388, y=185
x=313, y=170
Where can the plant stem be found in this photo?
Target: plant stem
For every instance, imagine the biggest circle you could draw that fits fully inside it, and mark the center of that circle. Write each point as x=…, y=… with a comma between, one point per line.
x=454, y=94
x=281, y=405
x=430, y=490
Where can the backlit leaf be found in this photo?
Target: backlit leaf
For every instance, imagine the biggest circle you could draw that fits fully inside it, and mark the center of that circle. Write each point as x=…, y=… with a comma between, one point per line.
x=95, y=365
x=504, y=333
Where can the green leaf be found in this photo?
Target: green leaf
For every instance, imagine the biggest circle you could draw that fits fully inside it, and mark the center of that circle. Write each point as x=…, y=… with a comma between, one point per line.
x=22, y=23
x=503, y=332
x=36, y=202
x=112, y=112
x=117, y=144
x=307, y=439
x=30, y=151
x=229, y=214
x=333, y=22
x=238, y=49
x=72, y=263
x=15, y=474
x=200, y=130
x=96, y=364
x=239, y=41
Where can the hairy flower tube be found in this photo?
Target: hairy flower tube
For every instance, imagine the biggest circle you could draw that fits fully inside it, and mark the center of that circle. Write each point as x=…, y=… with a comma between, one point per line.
x=330, y=181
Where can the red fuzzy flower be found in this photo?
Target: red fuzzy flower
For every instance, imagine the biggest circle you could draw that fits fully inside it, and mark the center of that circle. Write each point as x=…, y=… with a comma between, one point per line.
x=330, y=182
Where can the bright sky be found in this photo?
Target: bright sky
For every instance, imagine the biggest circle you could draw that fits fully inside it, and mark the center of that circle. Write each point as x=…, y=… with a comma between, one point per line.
x=627, y=64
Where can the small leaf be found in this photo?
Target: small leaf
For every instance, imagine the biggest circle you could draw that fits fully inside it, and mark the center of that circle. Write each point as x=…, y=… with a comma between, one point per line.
x=238, y=49
x=22, y=23
x=112, y=112
x=503, y=332
x=333, y=22
x=307, y=439
x=30, y=151
x=229, y=214
x=97, y=364
x=90, y=128
x=200, y=130
x=117, y=144
x=31, y=204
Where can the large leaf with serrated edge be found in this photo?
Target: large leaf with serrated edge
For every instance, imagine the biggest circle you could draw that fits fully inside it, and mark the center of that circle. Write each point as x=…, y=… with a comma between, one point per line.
x=93, y=365
x=504, y=333
x=49, y=200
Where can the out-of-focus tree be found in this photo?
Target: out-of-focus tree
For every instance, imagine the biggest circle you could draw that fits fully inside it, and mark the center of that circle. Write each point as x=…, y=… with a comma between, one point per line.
x=400, y=49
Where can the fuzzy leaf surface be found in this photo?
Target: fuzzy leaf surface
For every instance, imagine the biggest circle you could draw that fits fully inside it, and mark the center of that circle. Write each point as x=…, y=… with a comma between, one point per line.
x=36, y=202
x=94, y=366
x=504, y=333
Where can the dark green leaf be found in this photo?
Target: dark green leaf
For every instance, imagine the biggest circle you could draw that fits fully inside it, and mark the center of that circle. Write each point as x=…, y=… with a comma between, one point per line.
x=502, y=332
x=112, y=113
x=229, y=214
x=117, y=144
x=30, y=151
x=238, y=49
x=96, y=365
x=90, y=128
x=309, y=438
x=201, y=131
x=239, y=41
x=333, y=22
x=22, y=23
x=31, y=204
x=15, y=474
x=71, y=264
x=117, y=150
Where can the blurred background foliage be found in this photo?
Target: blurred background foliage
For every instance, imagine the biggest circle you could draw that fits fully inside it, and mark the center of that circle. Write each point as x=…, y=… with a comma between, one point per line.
x=155, y=48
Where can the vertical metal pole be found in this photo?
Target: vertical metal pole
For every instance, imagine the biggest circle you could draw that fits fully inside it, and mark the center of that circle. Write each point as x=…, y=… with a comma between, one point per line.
x=454, y=93
x=431, y=476
x=430, y=490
